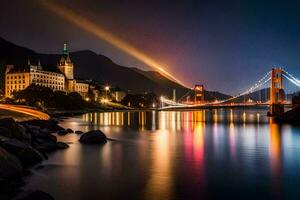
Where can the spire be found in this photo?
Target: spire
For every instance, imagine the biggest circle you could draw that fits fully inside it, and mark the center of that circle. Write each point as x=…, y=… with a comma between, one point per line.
x=65, y=52
x=39, y=63
x=28, y=62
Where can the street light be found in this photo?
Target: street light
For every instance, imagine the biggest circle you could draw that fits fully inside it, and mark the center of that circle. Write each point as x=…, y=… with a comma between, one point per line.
x=106, y=90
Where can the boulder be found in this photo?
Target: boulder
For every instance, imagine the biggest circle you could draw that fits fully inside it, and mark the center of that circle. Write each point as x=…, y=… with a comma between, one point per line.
x=10, y=166
x=27, y=155
x=33, y=195
x=93, y=137
x=45, y=131
x=51, y=125
x=62, y=132
x=78, y=132
x=9, y=128
x=42, y=138
x=62, y=145
x=47, y=147
x=70, y=130
x=51, y=146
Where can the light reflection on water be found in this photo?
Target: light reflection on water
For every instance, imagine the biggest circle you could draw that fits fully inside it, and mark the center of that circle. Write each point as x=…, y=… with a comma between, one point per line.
x=174, y=120
x=204, y=154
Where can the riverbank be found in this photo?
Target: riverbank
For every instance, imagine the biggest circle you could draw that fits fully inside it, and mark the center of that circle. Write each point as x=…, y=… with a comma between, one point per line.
x=23, y=145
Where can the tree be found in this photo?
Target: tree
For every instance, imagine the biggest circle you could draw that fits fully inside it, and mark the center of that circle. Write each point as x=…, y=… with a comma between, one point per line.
x=140, y=100
x=43, y=97
x=33, y=95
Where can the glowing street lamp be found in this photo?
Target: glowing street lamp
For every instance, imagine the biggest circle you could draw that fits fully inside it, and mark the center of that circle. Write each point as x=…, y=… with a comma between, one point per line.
x=106, y=90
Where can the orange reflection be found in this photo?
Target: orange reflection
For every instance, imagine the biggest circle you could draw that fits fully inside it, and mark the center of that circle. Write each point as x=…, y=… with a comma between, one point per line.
x=232, y=140
x=128, y=118
x=275, y=146
x=106, y=119
x=231, y=116
x=159, y=184
x=194, y=151
x=216, y=116
x=275, y=156
x=199, y=142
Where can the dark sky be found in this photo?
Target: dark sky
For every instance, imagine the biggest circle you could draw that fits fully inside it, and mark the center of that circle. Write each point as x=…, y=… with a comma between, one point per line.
x=226, y=45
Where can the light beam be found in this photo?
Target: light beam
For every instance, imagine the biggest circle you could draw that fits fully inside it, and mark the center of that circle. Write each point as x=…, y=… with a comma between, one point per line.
x=101, y=33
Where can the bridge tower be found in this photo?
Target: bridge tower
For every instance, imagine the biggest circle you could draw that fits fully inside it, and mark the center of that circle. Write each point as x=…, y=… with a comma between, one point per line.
x=199, y=94
x=276, y=93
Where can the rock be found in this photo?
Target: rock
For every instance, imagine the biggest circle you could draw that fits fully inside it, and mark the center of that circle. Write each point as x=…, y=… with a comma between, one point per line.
x=27, y=155
x=53, y=137
x=70, y=130
x=11, y=129
x=62, y=132
x=33, y=195
x=41, y=138
x=78, y=132
x=93, y=137
x=292, y=116
x=45, y=131
x=10, y=166
x=62, y=145
x=47, y=147
x=52, y=146
x=51, y=125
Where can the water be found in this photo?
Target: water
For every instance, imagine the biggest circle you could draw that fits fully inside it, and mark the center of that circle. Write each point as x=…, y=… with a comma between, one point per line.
x=206, y=154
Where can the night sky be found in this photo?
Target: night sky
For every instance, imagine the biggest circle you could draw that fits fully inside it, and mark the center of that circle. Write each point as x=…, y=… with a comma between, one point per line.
x=225, y=45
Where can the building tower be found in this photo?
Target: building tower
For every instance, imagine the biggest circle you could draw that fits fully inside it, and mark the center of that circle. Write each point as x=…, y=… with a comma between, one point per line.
x=199, y=94
x=276, y=93
x=65, y=65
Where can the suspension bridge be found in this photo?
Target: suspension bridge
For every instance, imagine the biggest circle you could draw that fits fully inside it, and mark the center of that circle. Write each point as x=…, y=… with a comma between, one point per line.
x=275, y=89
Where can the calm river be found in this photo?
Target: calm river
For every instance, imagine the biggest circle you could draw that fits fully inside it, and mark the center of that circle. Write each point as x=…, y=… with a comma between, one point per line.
x=205, y=154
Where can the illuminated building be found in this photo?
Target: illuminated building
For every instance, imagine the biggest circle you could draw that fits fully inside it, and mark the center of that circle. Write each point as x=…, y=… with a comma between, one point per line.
x=66, y=67
x=65, y=64
x=20, y=78
x=82, y=88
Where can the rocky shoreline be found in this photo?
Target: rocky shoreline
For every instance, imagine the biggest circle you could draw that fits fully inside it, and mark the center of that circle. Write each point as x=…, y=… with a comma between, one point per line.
x=23, y=145
x=291, y=117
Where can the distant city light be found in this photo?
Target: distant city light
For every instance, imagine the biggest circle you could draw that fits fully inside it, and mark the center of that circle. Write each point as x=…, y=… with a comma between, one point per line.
x=104, y=100
x=106, y=88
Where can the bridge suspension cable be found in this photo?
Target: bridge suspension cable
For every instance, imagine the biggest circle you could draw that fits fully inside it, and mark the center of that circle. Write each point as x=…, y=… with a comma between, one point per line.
x=258, y=84
x=291, y=78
